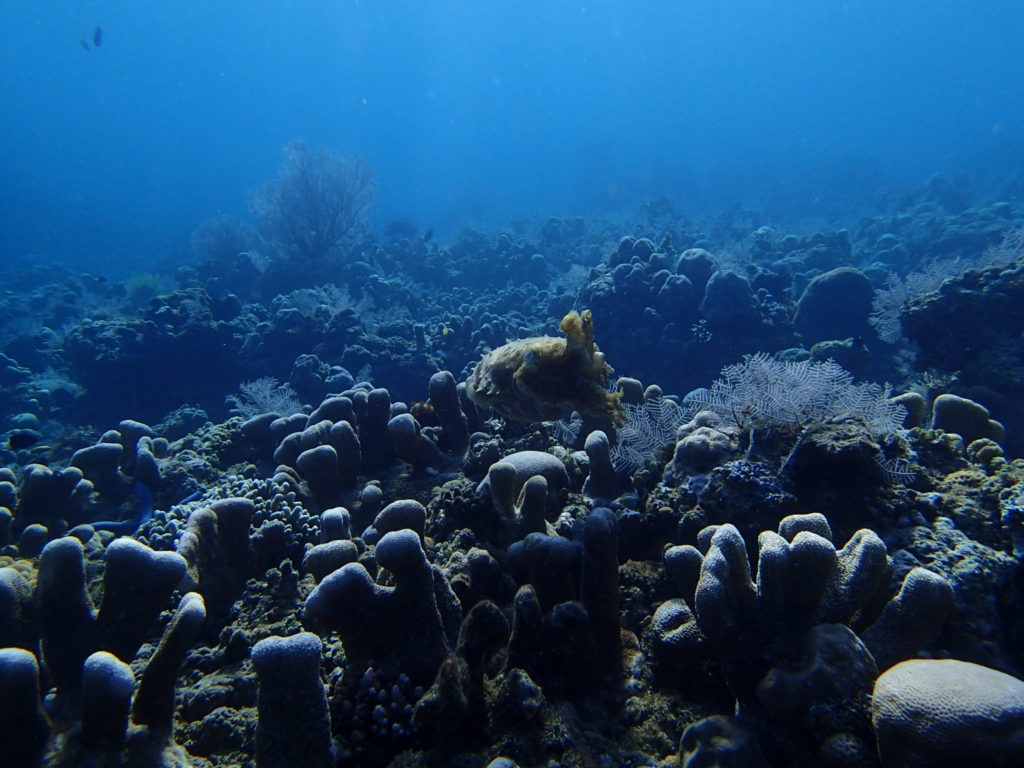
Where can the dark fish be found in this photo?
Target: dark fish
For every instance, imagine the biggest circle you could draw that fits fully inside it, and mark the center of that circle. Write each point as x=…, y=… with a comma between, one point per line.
x=20, y=439
x=97, y=37
x=428, y=235
x=128, y=527
x=84, y=42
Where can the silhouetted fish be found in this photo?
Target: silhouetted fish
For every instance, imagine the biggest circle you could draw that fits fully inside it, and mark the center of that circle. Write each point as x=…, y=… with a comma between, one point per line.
x=428, y=235
x=84, y=42
x=145, y=512
x=97, y=36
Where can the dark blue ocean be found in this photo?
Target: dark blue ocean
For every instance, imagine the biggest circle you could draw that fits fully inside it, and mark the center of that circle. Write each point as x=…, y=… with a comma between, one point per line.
x=475, y=113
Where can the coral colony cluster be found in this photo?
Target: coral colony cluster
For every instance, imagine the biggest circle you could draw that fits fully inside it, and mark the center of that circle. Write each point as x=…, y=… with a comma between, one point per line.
x=428, y=530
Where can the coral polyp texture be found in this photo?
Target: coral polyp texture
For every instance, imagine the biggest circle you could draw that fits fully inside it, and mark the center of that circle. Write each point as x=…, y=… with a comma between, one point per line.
x=426, y=534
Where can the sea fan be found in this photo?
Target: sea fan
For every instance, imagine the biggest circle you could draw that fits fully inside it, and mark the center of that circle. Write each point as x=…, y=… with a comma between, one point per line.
x=762, y=389
x=648, y=427
x=264, y=395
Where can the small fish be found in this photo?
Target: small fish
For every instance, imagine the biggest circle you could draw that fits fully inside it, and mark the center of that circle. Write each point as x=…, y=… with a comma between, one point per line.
x=428, y=235
x=20, y=439
x=97, y=37
x=84, y=43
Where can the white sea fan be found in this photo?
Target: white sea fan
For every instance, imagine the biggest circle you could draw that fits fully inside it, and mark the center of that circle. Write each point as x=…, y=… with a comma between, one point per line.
x=648, y=427
x=567, y=430
x=264, y=395
x=886, y=308
x=890, y=300
x=762, y=389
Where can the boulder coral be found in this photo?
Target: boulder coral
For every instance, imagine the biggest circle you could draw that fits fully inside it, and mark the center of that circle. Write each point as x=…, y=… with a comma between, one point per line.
x=943, y=712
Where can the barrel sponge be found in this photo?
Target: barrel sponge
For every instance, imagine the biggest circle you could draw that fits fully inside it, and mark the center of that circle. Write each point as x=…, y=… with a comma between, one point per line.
x=136, y=586
x=107, y=686
x=911, y=619
x=725, y=596
x=929, y=712
x=411, y=625
x=966, y=418
x=67, y=620
x=545, y=378
x=16, y=611
x=413, y=446
x=24, y=726
x=444, y=397
x=154, y=702
x=602, y=482
x=294, y=726
x=335, y=524
x=319, y=468
x=403, y=513
x=218, y=552
x=321, y=560
x=526, y=465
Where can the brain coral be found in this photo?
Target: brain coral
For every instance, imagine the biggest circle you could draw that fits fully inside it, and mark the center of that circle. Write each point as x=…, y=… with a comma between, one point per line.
x=946, y=712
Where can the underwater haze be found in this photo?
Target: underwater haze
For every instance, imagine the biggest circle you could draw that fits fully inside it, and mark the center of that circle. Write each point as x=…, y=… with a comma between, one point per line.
x=521, y=384
x=475, y=113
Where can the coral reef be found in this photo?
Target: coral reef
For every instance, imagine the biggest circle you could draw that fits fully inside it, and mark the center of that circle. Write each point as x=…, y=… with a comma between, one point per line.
x=392, y=556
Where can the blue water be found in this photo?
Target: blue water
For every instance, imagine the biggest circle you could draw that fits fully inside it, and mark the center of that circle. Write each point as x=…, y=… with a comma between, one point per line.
x=476, y=112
